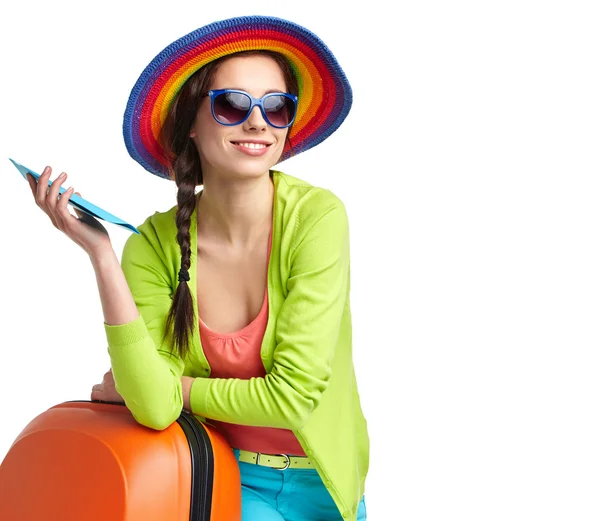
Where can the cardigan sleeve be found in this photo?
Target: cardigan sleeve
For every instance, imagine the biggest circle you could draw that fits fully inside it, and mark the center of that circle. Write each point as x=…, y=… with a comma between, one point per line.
x=146, y=374
x=306, y=333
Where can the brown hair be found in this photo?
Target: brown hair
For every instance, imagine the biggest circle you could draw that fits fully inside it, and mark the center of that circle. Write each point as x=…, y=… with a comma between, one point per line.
x=182, y=156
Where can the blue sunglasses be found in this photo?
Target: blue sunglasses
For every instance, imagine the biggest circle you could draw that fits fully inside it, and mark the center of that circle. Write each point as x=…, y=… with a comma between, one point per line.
x=232, y=107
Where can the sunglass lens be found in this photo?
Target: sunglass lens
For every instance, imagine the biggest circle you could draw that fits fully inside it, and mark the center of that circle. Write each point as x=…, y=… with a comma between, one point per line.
x=231, y=107
x=280, y=110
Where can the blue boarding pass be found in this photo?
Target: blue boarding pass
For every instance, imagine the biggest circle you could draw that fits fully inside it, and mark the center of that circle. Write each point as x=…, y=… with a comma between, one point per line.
x=79, y=202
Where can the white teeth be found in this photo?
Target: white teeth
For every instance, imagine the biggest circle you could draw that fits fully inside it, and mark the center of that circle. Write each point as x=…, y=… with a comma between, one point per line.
x=252, y=145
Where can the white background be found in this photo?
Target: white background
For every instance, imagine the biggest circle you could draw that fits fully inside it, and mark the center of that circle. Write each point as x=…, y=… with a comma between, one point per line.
x=469, y=168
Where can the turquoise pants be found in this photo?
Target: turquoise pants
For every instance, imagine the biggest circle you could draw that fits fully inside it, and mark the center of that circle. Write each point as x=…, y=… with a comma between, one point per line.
x=287, y=495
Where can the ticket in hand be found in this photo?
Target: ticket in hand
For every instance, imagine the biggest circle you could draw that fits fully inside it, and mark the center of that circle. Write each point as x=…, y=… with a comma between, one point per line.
x=79, y=202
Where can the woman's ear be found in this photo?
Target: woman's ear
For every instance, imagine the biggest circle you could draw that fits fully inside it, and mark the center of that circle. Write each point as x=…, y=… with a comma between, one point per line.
x=192, y=134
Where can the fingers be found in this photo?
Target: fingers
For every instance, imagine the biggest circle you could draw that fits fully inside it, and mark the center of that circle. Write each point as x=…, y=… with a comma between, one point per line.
x=97, y=392
x=106, y=391
x=109, y=381
x=62, y=203
x=77, y=211
x=42, y=188
x=50, y=200
x=32, y=183
x=57, y=203
x=44, y=197
x=52, y=197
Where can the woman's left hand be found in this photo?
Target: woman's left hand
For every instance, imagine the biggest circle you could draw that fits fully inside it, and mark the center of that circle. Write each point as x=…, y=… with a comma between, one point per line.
x=106, y=391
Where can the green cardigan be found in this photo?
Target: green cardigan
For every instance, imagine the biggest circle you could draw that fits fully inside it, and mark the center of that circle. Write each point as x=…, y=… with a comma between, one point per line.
x=310, y=385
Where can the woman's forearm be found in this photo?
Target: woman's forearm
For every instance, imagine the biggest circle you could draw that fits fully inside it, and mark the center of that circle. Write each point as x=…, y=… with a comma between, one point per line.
x=118, y=305
x=148, y=382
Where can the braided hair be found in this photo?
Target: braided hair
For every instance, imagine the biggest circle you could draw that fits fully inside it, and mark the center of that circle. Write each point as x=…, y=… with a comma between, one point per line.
x=181, y=154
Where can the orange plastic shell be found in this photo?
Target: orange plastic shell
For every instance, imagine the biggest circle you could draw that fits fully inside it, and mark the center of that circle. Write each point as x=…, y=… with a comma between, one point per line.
x=92, y=461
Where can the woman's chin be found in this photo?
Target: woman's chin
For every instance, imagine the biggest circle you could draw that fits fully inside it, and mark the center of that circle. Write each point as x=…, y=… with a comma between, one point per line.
x=254, y=167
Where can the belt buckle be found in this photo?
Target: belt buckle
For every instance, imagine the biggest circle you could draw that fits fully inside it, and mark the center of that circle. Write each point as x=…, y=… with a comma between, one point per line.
x=287, y=461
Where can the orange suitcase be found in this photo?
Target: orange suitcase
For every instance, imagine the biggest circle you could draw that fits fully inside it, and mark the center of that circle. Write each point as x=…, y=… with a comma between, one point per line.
x=91, y=461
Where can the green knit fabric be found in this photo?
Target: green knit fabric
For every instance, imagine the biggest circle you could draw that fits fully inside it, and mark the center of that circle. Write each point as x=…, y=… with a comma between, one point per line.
x=310, y=385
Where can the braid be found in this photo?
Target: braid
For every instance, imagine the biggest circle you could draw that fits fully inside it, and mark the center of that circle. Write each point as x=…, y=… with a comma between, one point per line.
x=181, y=314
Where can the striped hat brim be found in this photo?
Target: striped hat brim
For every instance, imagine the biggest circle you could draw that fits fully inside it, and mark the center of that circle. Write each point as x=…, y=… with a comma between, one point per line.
x=324, y=97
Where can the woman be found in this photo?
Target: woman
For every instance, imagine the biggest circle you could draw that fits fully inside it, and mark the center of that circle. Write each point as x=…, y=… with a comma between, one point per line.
x=234, y=304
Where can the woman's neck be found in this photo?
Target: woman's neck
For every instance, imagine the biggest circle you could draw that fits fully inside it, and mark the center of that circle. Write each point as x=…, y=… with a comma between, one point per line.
x=236, y=214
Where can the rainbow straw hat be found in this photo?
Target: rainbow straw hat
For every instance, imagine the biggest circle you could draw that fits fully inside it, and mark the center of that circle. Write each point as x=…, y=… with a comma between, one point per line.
x=324, y=97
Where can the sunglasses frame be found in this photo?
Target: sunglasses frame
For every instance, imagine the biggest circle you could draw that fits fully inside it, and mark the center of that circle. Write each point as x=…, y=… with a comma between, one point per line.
x=253, y=103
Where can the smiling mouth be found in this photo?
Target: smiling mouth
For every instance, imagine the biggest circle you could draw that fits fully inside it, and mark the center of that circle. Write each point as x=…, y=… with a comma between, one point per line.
x=251, y=145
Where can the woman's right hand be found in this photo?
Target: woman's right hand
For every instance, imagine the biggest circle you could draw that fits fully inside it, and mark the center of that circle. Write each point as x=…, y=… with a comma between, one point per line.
x=107, y=390
x=86, y=231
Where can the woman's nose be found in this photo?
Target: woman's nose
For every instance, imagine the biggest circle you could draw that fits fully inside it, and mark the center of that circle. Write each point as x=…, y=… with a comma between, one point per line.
x=255, y=120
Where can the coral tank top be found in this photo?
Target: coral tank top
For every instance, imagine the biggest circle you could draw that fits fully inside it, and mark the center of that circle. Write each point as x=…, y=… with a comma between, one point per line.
x=237, y=355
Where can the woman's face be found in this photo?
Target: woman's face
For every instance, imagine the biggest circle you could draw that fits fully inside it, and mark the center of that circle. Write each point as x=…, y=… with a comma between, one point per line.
x=252, y=147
